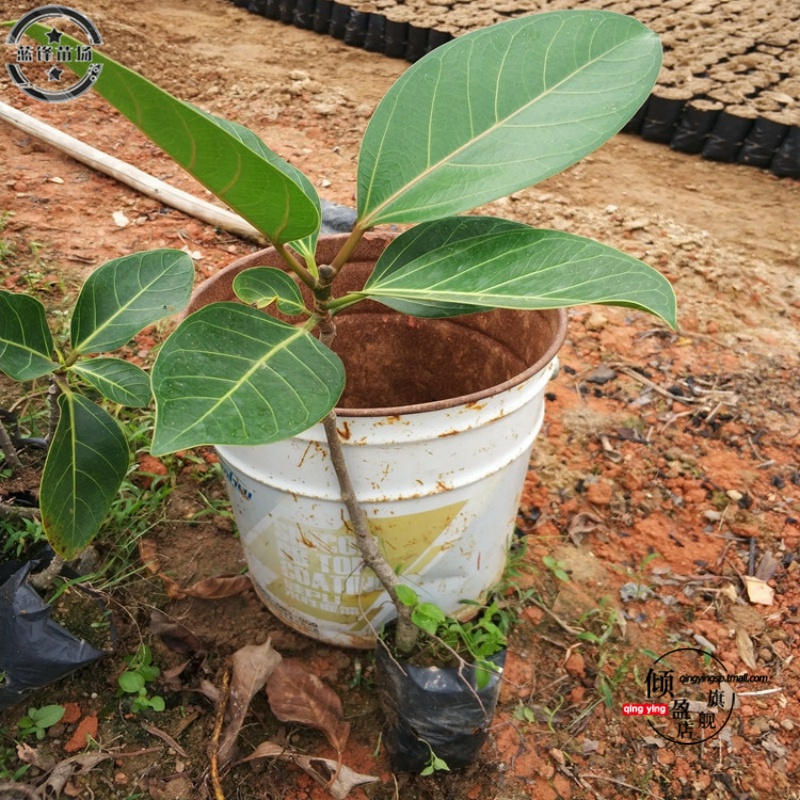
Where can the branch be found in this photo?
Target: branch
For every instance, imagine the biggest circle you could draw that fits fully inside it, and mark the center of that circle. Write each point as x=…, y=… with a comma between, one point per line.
x=406, y=633
x=17, y=513
x=9, y=451
x=45, y=578
x=53, y=393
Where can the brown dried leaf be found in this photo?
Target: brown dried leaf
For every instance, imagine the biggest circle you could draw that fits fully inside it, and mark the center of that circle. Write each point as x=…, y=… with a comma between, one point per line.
x=758, y=591
x=214, y=588
x=209, y=691
x=744, y=644
x=582, y=523
x=767, y=567
x=218, y=587
x=148, y=553
x=30, y=755
x=251, y=667
x=338, y=779
x=175, y=636
x=61, y=774
x=296, y=695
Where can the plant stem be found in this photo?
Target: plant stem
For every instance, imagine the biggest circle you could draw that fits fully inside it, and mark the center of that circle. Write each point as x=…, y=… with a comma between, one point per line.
x=52, y=401
x=343, y=256
x=45, y=578
x=296, y=267
x=9, y=451
x=406, y=632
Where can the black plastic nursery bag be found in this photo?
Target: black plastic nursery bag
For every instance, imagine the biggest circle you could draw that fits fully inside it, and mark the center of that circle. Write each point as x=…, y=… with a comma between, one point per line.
x=430, y=708
x=34, y=650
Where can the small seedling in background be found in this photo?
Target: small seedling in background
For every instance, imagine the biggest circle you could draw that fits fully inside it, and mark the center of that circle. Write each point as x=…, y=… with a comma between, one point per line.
x=134, y=680
x=606, y=616
x=556, y=567
x=524, y=713
x=38, y=720
x=435, y=764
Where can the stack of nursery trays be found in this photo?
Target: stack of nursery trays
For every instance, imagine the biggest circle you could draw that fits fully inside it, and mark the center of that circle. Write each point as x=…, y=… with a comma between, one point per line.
x=729, y=88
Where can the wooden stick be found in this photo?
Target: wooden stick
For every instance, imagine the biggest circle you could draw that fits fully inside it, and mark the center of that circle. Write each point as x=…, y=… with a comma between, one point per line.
x=130, y=175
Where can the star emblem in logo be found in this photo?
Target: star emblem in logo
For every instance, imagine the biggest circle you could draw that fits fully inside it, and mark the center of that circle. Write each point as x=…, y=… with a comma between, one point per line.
x=54, y=73
x=54, y=35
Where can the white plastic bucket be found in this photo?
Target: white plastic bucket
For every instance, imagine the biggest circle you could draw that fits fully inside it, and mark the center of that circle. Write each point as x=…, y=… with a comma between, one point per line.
x=437, y=421
x=441, y=490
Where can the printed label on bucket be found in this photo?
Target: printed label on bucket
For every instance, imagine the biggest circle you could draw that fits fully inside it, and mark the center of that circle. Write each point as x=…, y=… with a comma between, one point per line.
x=319, y=572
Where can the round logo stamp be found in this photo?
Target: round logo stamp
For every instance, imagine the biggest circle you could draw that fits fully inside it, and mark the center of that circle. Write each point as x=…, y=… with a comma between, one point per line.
x=42, y=69
x=695, y=689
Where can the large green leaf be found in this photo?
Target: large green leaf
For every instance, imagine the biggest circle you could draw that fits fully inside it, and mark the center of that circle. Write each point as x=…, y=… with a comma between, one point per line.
x=26, y=345
x=262, y=189
x=127, y=294
x=117, y=380
x=308, y=244
x=519, y=267
x=85, y=467
x=232, y=375
x=421, y=239
x=501, y=108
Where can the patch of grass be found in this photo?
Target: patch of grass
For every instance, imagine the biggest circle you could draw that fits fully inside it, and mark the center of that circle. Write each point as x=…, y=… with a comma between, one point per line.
x=20, y=537
x=599, y=623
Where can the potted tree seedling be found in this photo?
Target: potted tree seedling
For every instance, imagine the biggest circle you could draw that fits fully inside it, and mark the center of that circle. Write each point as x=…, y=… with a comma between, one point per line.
x=351, y=418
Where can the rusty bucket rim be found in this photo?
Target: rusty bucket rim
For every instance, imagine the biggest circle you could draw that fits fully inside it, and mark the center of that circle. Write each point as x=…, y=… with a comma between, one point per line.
x=256, y=258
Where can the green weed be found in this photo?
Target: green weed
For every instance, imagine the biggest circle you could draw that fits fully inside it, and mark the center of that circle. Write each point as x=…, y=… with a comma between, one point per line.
x=39, y=720
x=134, y=681
x=556, y=567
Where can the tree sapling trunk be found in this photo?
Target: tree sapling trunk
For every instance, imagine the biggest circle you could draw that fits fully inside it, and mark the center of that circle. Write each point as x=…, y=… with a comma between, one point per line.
x=406, y=632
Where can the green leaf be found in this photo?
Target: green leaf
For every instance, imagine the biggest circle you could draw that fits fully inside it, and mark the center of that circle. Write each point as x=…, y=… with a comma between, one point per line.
x=26, y=345
x=85, y=467
x=128, y=294
x=518, y=267
x=308, y=244
x=262, y=286
x=250, y=178
x=117, y=380
x=406, y=595
x=47, y=716
x=428, y=617
x=131, y=682
x=501, y=108
x=232, y=375
x=420, y=240
x=157, y=703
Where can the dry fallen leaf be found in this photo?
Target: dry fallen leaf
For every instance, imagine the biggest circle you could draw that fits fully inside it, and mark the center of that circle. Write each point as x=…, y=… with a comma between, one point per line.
x=251, y=667
x=338, y=779
x=214, y=588
x=62, y=772
x=148, y=553
x=296, y=695
x=744, y=644
x=175, y=636
x=218, y=587
x=758, y=591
